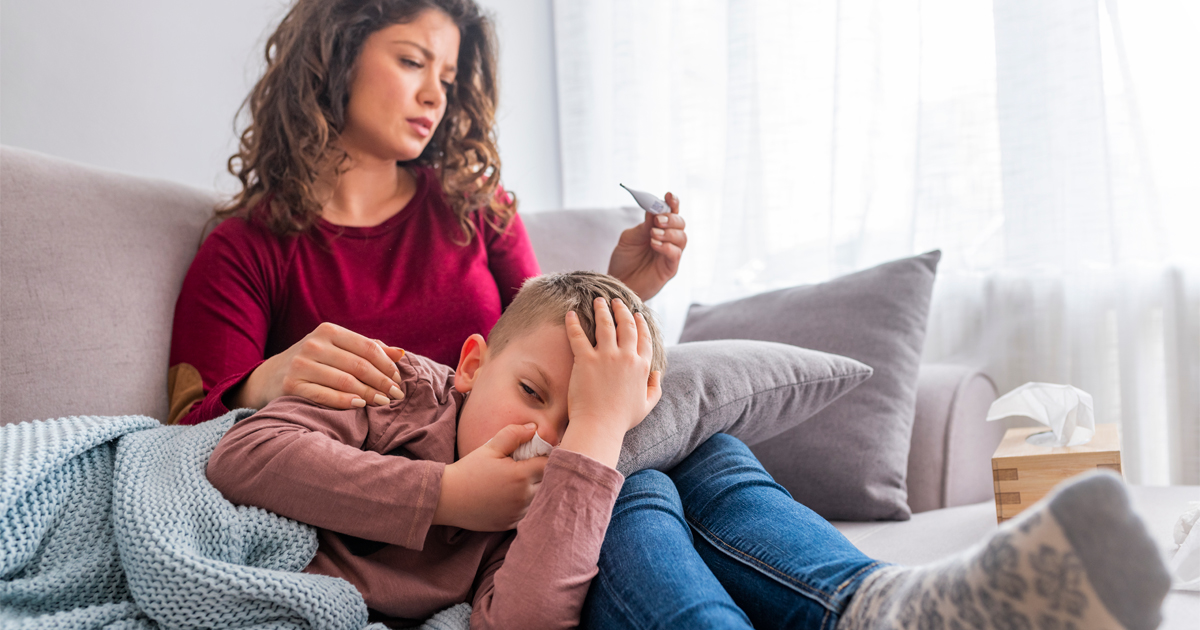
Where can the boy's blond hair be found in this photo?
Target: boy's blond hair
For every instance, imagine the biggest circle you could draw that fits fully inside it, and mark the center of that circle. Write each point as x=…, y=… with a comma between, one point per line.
x=547, y=298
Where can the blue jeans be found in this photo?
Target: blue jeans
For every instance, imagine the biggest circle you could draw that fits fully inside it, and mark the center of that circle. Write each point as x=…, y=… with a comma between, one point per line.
x=716, y=543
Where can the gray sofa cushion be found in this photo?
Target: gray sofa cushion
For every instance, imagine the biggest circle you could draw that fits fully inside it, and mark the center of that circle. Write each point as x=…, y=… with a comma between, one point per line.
x=92, y=261
x=752, y=390
x=850, y=461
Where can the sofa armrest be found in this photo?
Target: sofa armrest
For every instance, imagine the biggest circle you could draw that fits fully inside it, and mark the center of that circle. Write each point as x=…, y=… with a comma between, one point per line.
x=949, y=462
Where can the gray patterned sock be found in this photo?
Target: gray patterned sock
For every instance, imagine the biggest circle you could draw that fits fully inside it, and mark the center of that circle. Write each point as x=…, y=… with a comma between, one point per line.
x=1079, y=560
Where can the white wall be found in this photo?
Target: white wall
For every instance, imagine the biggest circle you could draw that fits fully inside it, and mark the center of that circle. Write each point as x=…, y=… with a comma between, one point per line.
x=151, y=87
x=527, y=121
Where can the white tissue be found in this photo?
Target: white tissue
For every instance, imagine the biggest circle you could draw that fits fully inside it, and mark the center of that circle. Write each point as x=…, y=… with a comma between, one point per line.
x=648, y=202
x=1066, y=410
x=1185, y=564
x=537, y=447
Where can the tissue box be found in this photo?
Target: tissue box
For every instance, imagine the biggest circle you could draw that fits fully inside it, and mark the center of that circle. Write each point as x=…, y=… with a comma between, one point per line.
x=1022, y=473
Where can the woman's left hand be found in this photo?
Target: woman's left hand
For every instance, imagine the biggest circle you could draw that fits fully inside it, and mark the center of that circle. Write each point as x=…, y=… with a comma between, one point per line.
x=647, y=255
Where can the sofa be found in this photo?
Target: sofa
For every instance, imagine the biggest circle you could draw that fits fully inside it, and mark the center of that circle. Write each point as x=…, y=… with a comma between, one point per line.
x=91, y=262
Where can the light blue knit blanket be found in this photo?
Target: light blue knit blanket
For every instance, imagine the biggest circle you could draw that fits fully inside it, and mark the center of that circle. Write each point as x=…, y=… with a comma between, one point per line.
x=110, y=522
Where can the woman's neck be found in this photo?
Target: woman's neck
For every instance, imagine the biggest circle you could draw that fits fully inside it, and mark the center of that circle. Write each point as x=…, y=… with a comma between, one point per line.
x=368, y=193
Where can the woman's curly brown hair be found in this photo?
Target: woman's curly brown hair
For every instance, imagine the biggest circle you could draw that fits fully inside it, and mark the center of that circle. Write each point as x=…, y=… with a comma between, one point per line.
x=298, y=111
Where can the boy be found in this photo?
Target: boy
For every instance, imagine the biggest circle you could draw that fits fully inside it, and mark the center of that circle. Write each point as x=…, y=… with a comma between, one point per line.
x=414, y=501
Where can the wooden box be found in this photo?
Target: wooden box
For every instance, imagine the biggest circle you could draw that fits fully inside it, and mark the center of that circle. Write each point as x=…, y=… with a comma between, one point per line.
x=1023, y=473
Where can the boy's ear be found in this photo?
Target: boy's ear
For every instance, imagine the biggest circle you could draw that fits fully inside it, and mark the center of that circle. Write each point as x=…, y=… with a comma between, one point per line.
x=473, y=352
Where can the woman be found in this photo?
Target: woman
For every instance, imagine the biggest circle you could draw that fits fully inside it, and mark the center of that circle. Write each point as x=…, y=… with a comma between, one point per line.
x=370, y=215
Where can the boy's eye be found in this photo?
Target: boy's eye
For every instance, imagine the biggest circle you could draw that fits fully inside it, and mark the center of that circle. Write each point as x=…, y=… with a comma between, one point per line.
x=529, y=391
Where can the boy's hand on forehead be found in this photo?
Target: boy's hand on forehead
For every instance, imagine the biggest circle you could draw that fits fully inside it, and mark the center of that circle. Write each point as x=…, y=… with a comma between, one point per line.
x=611, y=388
x=487, y=491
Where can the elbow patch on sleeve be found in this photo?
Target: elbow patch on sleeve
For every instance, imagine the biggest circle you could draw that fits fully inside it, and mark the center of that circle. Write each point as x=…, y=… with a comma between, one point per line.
x=185, y=388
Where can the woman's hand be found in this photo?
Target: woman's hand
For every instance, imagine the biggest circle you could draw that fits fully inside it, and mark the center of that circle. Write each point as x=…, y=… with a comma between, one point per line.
x=647, y=255
x=330, y=366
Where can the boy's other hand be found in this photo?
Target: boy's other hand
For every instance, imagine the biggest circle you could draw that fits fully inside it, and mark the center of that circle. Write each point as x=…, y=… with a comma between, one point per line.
x=487, y=491
x=611, y=388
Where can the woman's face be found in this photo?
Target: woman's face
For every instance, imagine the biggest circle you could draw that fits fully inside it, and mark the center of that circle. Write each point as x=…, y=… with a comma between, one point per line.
x=398, y=93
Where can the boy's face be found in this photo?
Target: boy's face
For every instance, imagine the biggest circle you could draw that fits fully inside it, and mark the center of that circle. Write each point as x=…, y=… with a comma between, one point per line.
x=526, y=382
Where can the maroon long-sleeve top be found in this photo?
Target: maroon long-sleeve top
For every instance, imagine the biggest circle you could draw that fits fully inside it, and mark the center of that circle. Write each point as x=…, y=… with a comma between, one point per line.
x=409, y=282
x=369, y=480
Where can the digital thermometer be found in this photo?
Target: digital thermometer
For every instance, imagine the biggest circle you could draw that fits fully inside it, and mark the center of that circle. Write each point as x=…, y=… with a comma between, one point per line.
x=648, y=202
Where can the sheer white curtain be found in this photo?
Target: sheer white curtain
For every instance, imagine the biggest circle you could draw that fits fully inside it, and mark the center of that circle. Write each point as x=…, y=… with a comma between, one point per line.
x=1048, y=147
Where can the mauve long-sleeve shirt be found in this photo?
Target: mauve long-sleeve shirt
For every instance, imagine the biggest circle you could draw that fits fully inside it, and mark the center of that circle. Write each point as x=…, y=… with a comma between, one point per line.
x=409, y=282
x=369, y=480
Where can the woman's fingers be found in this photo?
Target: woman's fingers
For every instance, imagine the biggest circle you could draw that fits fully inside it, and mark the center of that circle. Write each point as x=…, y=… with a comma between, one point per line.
x=668, y=235
x=327, y=396
x=670, y=251
x=673, y=201
x=677, y=238
x=374, y=367
x=329, y=374
x=670, y=221
x=339, y=368
x=392, y=352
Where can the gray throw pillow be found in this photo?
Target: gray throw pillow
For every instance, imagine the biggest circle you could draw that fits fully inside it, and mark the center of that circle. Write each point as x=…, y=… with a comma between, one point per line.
x=848, y=462
x=751, y=390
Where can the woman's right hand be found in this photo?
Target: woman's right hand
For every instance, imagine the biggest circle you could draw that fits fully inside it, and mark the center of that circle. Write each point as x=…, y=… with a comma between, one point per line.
x=330, y=366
